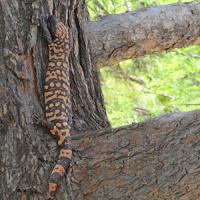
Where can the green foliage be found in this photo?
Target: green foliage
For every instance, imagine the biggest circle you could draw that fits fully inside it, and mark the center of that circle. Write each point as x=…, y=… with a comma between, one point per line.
x=98, y=8
x=138, y=89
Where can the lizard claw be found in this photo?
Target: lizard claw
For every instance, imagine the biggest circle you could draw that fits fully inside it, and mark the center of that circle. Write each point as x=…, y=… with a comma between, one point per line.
x=35, y=119
x=74, y=149
x=41, y=121
x=44, y=17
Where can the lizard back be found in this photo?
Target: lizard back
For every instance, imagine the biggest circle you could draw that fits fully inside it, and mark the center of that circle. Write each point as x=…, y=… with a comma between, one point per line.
x=57, y=95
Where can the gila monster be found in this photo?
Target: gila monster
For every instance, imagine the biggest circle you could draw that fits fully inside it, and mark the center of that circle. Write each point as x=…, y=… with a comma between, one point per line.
x=57, y=94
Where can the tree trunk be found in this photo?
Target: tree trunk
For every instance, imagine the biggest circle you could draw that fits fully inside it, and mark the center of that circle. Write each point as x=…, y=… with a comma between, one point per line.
x=28, y=152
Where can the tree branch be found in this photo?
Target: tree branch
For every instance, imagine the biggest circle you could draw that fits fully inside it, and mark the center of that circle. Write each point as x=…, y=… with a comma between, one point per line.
x=156, y=159
x=132, y=34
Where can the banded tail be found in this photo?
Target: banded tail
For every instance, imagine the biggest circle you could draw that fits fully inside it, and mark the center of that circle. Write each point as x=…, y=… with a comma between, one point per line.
x=61, y=166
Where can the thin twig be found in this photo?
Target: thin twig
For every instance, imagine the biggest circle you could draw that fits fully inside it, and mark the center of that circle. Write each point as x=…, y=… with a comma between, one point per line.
x=99, y=5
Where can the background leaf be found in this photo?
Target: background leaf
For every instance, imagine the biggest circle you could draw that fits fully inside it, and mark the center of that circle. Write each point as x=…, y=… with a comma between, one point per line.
x=138, y=89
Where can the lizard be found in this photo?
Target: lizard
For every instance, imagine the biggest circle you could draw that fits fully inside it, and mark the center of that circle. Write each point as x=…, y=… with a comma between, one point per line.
x=57, y=95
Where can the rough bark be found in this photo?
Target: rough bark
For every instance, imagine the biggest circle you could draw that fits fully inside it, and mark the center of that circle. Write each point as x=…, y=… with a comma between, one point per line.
x=153, y=160
x=28, y=152
x=118, y=37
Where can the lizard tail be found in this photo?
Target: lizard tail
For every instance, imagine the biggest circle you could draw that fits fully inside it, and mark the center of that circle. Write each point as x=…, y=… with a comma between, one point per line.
x=61, y=166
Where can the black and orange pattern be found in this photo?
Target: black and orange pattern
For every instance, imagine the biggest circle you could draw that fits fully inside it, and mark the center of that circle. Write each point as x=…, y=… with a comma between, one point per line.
x=57, y=94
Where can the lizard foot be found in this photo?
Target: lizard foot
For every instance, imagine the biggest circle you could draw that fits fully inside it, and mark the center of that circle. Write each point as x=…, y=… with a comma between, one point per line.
x=41, y=121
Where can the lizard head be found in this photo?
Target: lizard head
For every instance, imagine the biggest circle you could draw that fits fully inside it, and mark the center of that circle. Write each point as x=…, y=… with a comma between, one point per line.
x=56, y=28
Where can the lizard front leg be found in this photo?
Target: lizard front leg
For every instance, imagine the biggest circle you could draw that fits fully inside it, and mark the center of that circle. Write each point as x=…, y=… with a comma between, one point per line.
x=45, y=30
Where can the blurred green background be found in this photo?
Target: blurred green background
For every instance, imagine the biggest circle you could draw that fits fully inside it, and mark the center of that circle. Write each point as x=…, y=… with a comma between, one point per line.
x=138, y=89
